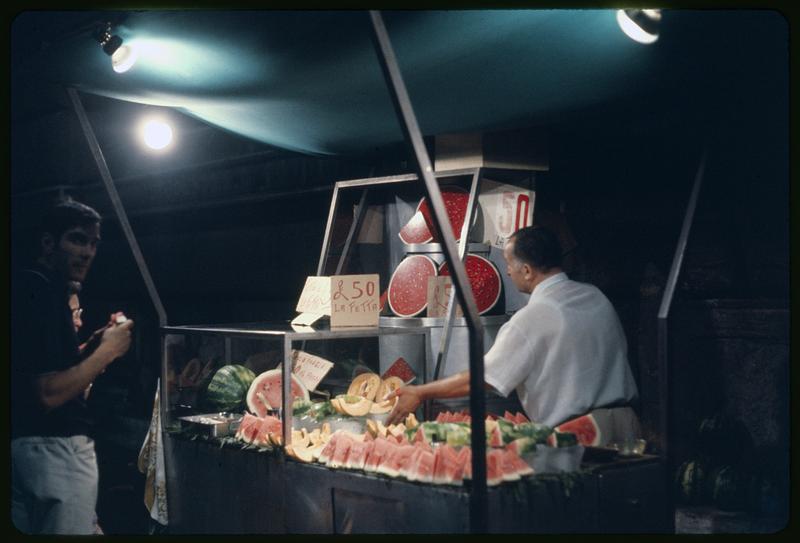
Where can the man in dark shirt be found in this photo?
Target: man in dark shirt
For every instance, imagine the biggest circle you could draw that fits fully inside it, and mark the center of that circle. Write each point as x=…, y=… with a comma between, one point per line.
x=54, y=468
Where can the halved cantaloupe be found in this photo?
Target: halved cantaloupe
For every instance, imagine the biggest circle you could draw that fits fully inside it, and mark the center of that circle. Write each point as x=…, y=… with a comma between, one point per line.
x=355, y=406
x=366, y=385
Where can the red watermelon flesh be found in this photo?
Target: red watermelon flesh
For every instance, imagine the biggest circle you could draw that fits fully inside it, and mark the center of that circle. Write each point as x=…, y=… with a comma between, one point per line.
x=416, y=230
x=358, y=454
x=456, y=200
x=521, y=466
x=484, y=280
x=268, y=425
x=585, y=428
x=401, y=369
x=508, y=468
x=327, y=451
x=408, y=468
x=521, y=419
x=266, y=387
x=496, y=438
x=388, y=465
x=408, y=287
x=465, y=459
x=247, y=427
x=446, y=467
x=508, y=416
x=339, y=457
x=494, y=474
x=376, y=454
x=423, y=467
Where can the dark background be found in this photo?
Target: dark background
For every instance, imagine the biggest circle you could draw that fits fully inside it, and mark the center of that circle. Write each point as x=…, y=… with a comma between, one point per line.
x=230, y=228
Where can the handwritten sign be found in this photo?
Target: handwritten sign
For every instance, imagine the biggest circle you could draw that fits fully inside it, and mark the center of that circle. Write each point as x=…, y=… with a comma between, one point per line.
x=310, y=369
x=354, y=300
x=316, y=296
x=506, y=209
x=439, y=290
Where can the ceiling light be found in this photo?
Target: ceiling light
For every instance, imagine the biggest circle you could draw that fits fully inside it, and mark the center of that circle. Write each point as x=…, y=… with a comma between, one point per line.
x=122, y=56
x=157, y=134
x=640, y=24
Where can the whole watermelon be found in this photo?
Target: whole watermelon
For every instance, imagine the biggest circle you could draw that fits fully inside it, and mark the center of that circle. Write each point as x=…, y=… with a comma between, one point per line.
x=691, y=481
x=228, y=388
x=731, y=488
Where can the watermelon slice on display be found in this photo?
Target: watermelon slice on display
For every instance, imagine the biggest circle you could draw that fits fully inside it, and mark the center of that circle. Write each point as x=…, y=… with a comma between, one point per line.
x=585, y=428
x=408, y=287
x=508, y=469
x=456, y=200
x=447, y=469
x=265, y=392
x=376, y=455
x=423, y=467
x=494, y=474
x=339, y=457
x=416, y=230
x=358, y=454
x=408, y=467
x=401, y=369
x=484, y=279
x=327, y=451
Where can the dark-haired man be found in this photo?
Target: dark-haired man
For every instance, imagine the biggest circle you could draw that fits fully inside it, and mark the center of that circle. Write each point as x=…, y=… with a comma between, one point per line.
x=53, y=465
x=564, y=353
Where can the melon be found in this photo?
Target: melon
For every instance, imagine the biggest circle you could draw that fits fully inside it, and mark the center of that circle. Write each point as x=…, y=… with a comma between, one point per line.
x=456, y=201
x=416, y=230
x=585, y=428
x=484, y=280
x=228, y=387
x=730, y=488
x=366, y=385
x=379, y=408
x=387, y=386
x=690, y=481
x=265, y=392
x=355, y=406
x=408, y=287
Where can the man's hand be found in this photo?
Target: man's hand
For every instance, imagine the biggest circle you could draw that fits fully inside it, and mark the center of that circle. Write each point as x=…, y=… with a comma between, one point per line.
x=116, y=340
x=408, y=399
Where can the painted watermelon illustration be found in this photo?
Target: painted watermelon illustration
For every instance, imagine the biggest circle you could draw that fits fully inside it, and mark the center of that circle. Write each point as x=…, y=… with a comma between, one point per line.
x=585, y=428
x=416, y=230
x=265, y=392
x=420, y=228
x=484, y=279
x=455, y=203
x=408, y=287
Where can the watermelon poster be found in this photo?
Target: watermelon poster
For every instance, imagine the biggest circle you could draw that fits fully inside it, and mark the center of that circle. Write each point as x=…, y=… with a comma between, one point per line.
x=506, y=209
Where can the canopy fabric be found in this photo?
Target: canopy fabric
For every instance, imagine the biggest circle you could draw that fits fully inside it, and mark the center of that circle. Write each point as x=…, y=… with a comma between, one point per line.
x=310, y=81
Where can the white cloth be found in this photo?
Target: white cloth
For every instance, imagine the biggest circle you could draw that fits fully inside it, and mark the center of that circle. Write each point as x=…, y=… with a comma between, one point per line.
x=54, y=485
x=151, y=462
x=565, y=353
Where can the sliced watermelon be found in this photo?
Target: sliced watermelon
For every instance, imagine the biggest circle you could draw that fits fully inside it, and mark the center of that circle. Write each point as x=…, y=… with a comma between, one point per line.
x=265, y=391
x=520, y=465
x=423, y=468
x=408, y=467
x=327, y=451
x=484, y=280
x=376, y=454
x=358, y=454
x=496, y=437
x=416, y=230
x=522, y=445
x=520, y=418
x=408, y=287
x=494, y=473
x=585, y=428
x=508, y=469
x=509, y=417
x=465, y=460
x=339, y=457
x=447, y=468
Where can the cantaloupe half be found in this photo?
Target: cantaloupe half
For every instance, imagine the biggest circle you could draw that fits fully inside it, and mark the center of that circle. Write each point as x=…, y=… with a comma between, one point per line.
x=355, y=406
x=379, y=408
x=366, y=385
x=388, y=385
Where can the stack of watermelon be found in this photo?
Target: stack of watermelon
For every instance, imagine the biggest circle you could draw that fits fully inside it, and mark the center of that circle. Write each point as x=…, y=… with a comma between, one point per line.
x=228, y=388
x=721, y=473
x=262, y=431
x=418, y=460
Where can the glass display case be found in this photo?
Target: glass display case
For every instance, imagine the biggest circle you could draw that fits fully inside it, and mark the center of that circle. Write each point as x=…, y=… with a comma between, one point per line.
x=194, y=387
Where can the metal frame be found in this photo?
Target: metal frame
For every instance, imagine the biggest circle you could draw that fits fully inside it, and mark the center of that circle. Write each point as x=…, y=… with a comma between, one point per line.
x=413, y=136
x=662, y=346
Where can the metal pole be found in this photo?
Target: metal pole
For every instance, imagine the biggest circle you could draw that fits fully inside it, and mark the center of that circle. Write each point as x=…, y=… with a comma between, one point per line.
x=662, y=325
x=413, y=136
x=108, y=181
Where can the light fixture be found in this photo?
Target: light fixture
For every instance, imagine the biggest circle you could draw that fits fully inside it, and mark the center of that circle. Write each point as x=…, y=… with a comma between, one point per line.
x=640, y=24
x=157, y=134
x=123, y=57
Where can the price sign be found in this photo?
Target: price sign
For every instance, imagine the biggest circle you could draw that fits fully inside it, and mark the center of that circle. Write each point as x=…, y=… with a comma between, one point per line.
x=354, y=300
x=506, y=209
x=439, y=290
x=316, y=296
x=310, y=369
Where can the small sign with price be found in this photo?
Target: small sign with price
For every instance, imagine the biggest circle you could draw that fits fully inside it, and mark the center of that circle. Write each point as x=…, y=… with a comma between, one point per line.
x=310, y=369
x=439, y=291
x=354, y=300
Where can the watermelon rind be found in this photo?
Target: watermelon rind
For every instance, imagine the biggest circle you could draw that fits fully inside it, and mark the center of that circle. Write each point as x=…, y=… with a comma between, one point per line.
x=405, y=262
x=228, y=387
x=256, y=406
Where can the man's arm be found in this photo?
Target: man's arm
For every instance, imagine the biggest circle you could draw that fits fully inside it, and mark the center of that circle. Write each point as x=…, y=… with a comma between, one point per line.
x=410, y=397
x=57, y=388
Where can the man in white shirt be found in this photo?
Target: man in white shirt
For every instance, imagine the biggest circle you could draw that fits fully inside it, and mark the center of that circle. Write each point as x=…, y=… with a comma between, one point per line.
x=564, y=353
